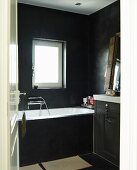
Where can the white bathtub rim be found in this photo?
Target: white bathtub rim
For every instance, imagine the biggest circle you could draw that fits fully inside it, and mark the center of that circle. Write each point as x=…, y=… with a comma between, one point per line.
x=43, y=114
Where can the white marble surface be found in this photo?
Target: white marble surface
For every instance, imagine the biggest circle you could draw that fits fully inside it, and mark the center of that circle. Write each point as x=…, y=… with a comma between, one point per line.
x=104, y=97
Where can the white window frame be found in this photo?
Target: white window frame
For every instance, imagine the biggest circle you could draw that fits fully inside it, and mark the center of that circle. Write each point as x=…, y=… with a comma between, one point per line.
x=51, y=43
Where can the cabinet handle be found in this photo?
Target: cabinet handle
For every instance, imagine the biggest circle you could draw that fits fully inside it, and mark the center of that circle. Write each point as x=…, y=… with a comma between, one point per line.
x=108, y=120
x=106, y=106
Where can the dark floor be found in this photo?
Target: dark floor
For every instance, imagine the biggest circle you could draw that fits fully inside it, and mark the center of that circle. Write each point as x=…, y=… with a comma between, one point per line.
x=97, y=163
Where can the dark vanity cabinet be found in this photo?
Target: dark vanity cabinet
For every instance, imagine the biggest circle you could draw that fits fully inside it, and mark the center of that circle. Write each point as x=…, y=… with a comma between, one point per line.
x=107, y=130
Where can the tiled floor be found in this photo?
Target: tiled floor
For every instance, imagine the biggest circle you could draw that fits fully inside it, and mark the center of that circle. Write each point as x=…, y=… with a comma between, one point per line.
x=97, y=163
x=71, y=163
x=84, y=162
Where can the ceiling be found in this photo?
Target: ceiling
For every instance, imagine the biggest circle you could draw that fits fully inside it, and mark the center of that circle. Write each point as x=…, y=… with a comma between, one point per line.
x=87, y=7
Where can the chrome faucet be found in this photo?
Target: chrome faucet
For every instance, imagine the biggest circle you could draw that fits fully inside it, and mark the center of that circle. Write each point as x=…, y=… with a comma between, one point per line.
x=37, y=101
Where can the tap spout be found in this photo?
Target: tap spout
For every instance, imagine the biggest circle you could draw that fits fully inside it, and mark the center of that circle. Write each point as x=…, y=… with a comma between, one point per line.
x=38, y=101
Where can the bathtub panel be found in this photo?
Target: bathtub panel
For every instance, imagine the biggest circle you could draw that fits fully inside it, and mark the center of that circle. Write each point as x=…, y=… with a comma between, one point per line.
x=56, y=138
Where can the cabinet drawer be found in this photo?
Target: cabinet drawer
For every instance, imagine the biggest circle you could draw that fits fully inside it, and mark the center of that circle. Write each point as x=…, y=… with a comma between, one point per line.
x=102, y=107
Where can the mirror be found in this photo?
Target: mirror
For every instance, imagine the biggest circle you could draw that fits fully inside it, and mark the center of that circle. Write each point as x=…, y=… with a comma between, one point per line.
x=112, y=76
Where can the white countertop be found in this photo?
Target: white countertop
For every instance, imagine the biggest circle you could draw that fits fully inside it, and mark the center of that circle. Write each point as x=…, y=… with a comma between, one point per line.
x=104, y=97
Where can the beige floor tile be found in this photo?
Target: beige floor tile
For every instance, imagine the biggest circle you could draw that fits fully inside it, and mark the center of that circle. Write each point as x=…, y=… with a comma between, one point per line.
x=71, y=163
x=31, y=167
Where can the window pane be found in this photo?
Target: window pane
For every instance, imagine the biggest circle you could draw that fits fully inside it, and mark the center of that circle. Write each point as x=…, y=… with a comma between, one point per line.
x=46, y=64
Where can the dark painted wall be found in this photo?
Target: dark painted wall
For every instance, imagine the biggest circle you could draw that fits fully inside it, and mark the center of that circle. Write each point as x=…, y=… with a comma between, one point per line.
x=37, y=22
x=87, y=40
x=102, y=25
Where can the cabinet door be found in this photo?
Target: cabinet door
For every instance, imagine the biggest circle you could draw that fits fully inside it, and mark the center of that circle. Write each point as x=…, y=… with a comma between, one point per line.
x=107, y=131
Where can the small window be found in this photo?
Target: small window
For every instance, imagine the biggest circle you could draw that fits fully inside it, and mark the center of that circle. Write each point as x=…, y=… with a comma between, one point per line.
x=47, y=64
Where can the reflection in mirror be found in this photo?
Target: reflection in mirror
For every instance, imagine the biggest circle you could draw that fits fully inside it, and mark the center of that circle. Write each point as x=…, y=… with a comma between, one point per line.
x=116, y=84
x=112, y=78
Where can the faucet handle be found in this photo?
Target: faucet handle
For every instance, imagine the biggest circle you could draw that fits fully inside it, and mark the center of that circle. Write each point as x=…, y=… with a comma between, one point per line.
x=34, y=98
x=23, y=94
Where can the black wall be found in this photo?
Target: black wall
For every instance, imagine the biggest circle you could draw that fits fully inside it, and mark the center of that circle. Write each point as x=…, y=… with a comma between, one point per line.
x=37, y=22
x=87, y=40
x=102, y=25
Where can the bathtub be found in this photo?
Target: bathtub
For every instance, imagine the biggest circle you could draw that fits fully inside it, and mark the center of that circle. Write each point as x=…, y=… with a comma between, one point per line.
x=65, y=132
x=54, y=113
